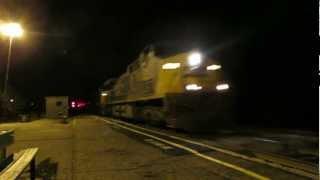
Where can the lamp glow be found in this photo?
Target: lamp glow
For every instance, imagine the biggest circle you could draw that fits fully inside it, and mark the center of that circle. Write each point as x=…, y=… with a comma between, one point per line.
x=213, y=67
x=193, y=87
x=11, y=29
x=73, y=104
x=104, y=94
x=171, y=66
x=222, y=87
x=194, y=59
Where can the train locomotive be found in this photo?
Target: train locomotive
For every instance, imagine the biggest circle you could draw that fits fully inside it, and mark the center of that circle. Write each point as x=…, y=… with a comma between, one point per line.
x=183, y=90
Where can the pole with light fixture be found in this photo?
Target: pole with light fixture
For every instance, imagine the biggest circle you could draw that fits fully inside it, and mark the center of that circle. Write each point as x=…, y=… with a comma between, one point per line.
x=11, y=30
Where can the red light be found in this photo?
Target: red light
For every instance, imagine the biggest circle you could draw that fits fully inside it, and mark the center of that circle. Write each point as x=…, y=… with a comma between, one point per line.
x=73, y=104
x=78, y=104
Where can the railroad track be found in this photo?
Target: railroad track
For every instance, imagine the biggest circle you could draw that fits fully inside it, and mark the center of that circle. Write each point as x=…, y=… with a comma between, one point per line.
x=278, y=162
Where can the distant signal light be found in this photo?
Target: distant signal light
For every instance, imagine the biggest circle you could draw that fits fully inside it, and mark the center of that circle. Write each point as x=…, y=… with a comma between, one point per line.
x=73, y=104
x=78, y=104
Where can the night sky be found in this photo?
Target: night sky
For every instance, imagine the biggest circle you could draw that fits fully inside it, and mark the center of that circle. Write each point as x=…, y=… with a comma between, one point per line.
x=266, y=48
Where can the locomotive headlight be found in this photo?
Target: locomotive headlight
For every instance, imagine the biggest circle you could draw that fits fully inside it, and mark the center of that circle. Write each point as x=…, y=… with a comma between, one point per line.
x=171, y=66
x=222, y=87
x=213, y=67
x=194, y=59
x=104, y=94
x=193, y=87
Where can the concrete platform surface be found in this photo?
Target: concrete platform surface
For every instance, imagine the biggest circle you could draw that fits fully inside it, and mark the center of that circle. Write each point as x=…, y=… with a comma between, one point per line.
x=87, y=148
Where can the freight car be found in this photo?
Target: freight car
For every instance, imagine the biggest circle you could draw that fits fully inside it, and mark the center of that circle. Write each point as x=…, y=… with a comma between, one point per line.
x=185, y=90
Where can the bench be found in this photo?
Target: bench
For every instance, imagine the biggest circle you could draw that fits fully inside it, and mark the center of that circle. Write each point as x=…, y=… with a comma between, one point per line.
x=6, y=138
x=18, y=162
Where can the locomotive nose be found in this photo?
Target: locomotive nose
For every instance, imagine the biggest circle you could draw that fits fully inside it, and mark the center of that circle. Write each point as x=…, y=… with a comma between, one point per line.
x=201, y=87
x=222, y=87
x=193, y=87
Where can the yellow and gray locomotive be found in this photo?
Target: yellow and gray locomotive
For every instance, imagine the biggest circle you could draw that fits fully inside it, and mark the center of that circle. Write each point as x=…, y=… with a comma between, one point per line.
x=185, y=90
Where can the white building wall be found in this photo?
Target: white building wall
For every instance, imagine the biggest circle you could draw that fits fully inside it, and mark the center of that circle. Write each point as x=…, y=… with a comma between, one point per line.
x=57, y=106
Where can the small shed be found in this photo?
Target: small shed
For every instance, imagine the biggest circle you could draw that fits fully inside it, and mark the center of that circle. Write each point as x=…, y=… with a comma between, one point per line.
x=57, y=106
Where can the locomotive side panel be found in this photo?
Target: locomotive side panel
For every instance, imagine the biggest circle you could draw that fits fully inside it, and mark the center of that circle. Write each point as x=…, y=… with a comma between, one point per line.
x=121, y=89
x=143, y=78
x=170, y=80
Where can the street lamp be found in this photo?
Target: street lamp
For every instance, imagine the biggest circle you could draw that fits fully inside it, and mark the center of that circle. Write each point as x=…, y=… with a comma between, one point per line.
x=11, y=30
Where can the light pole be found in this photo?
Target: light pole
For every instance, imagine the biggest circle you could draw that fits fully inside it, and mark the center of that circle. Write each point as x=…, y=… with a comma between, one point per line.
x=5, y=87
x=11, y=30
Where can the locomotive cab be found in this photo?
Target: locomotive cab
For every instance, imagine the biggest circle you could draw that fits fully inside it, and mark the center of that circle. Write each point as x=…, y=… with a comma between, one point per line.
x=203, y=101
x=203, y=75
x=191, y=72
